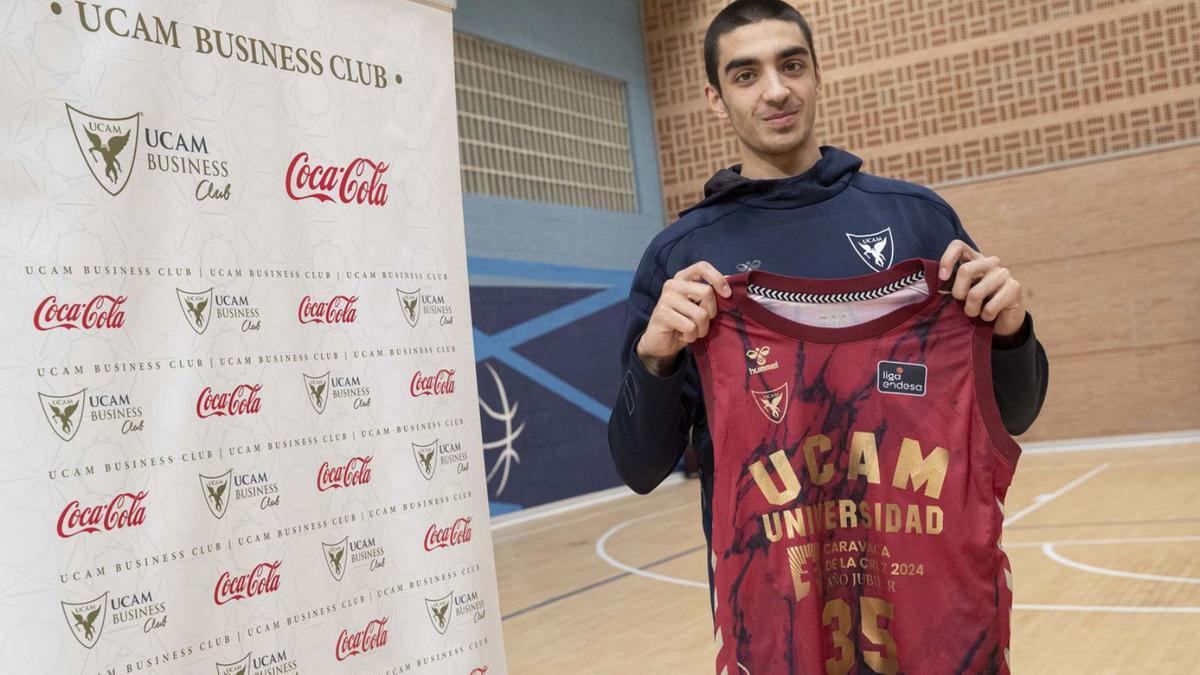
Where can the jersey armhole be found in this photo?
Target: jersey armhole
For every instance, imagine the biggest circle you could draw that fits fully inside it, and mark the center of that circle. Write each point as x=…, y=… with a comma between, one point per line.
x=985, y=396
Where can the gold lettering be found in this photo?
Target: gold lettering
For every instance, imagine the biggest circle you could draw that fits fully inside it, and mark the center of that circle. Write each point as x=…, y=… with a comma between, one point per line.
x=830, y=522
x=912, y=523
x=893, y=518
x=914, y=467
x=887, y=660
x=775, y=534
x=864, y=457
x=933, y=520
x=864, y=514
x=824, y=473
x=846, y=516
x=791, y=484
x=794, y=520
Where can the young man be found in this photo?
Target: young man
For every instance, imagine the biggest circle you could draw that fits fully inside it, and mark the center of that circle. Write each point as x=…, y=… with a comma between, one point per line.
x=792, y=207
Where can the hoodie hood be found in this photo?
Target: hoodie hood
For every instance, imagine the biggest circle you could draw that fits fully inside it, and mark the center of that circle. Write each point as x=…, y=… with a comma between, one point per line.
x=828, y=177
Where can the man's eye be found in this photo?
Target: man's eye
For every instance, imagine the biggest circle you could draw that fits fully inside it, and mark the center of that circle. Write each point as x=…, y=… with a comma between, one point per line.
x=794, y=66
x=744, y=76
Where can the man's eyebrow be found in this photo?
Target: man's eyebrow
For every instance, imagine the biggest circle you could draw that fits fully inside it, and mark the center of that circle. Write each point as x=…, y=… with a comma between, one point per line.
x=750, y=61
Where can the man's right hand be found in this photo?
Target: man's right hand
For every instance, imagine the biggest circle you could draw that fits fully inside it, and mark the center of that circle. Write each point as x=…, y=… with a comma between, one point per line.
x=681, y=316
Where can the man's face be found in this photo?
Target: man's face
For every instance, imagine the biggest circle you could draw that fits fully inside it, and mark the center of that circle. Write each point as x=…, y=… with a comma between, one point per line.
x=769, y=86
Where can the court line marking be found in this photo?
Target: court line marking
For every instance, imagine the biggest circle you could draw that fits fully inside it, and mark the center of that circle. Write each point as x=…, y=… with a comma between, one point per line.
x=1103, y=542
x=596, y=584
x=1125, y=609
x=574, y=503
x=1048, y=550
x=1041, y=500
x=1132, y=441
x=603, y=553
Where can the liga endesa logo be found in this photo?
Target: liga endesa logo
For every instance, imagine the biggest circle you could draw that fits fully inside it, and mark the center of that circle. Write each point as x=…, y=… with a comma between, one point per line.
x=372, y=637
x=243, y=400
x=359, y=182
x=432, y=385
x=124, y=510
x=338, y=309
x=101, y=312
x=445, y=537
x=355, y=472
x=261, y=580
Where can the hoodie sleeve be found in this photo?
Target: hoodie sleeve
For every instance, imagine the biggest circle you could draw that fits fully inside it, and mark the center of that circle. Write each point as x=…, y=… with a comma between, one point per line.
x=649, y=425
x=1020, y=369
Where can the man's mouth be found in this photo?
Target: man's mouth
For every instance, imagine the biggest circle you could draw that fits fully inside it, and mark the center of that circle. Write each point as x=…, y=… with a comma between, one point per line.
x=779, y=119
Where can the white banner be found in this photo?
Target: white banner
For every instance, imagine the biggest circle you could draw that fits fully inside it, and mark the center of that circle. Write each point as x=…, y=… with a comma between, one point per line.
x=240, y=412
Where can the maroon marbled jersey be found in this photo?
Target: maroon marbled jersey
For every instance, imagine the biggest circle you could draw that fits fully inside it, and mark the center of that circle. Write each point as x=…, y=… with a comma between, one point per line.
x=860, y=469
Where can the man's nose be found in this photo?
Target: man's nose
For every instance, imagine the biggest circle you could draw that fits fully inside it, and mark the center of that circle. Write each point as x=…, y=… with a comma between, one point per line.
x=774, y=90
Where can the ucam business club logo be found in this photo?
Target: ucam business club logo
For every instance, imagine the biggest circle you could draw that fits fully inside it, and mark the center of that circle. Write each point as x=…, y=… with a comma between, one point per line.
x=438, y=384
x=415, y=304
x=218, y=491
x=262, y=580
x=201, y=308
x=99, y=312
x=241, y=400
x=109, y=147
x=358, y=553
x=451, y=535
x=338, y=309
x=87, y=619
x=66, y=414
x=122, y=511
x=359, y=182
x=453, y=606
x=347, y=389
x=269, y=664
x=429, y=455
x=369, y=638
x=355, y=472
x=875, y=249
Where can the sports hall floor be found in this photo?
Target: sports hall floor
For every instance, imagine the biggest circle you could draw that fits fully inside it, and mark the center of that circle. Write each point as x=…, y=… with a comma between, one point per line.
x=1103, y=536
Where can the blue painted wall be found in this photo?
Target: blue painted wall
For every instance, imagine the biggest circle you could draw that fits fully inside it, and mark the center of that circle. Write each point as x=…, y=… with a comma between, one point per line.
x=549, y=282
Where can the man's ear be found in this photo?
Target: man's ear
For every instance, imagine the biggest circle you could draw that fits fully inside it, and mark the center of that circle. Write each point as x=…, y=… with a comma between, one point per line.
x=715, y=102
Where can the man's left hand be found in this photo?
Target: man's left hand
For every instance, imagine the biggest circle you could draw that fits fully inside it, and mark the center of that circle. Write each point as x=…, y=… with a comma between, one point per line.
x=987, y=288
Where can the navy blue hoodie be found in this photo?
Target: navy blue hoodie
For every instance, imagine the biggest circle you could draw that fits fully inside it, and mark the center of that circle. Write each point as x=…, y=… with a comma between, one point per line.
x=831, y=221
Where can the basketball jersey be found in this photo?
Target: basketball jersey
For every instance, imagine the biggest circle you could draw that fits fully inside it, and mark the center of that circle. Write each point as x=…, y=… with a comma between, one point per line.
x=860, y=469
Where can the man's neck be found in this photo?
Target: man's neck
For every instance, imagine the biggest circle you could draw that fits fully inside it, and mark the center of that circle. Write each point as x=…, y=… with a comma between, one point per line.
x=756, y=166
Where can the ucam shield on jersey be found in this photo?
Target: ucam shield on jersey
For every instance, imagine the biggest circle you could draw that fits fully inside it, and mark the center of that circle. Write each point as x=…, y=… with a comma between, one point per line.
x=860, y=470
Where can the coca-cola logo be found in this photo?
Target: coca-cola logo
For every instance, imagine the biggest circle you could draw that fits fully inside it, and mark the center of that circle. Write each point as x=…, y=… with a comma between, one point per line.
x=374, y=636
x=355, y=472
x=338, y=309
x=432, y=385
x=124, y=510
x=100, y=313
x=243, y=400
x=263, y=579
x=481, y=670
x=444, y=537
x=359, y=182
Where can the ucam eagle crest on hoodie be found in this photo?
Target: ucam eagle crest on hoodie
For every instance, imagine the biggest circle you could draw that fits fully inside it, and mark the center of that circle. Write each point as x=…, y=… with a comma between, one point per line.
x=829, y=222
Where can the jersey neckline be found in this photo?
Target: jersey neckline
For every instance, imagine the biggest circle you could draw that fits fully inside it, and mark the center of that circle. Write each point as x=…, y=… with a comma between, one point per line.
x=739, y=284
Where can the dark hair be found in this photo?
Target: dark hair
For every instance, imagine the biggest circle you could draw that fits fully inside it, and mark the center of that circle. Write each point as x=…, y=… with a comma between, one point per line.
x=743, y=13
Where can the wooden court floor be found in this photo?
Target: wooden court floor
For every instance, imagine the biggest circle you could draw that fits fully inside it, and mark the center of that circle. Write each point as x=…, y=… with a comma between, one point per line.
x=1103, y=536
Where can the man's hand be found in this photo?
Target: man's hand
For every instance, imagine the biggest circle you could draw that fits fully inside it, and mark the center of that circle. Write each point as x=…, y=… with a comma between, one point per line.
x=681, y=316
x=988, y=289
